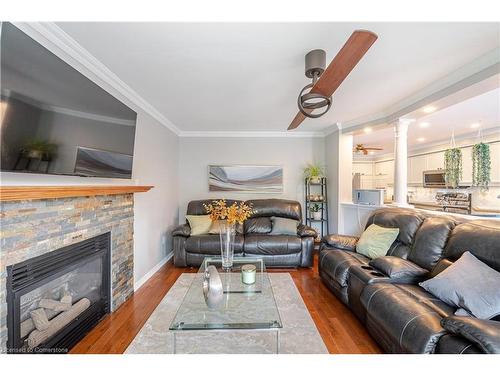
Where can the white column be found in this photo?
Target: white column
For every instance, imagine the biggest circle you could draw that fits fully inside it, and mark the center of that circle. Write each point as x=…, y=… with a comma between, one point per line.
x=400, y=162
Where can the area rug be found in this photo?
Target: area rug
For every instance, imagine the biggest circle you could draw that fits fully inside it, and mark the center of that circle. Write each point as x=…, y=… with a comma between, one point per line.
x=298, y=335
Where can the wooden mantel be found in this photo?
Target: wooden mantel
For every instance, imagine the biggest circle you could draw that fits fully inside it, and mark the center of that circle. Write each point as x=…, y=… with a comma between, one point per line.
x=18, y=193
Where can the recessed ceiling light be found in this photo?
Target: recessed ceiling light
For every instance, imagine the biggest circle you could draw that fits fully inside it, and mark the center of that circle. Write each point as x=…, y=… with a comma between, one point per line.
x=372, y=152
x=367, y=130
x=429, y=109
x=421, y=139
x=475, y=125
x=424, y=124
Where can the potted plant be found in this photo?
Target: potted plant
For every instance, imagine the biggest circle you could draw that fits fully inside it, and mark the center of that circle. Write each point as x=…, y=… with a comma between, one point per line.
x=316, y=211
x=314, y=173
x=453, y=167
x=38, y=149
x=481, y=166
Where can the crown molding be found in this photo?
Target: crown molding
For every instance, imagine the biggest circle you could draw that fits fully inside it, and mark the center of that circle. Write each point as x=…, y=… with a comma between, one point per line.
x=62, y=45
x=250, y=134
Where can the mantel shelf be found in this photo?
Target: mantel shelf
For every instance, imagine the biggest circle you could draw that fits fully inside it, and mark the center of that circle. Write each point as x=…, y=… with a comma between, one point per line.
x=18, y=193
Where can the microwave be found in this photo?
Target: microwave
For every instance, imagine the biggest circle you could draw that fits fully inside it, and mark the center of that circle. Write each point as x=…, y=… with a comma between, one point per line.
x=434, y=179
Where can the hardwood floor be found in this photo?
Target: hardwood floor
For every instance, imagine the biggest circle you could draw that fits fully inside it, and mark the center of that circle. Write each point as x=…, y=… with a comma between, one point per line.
x=339, y=328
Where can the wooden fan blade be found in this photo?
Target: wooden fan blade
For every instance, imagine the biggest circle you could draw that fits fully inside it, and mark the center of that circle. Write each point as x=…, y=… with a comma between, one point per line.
x=365, y=151
x=343, y=63
x=348, y=57
x=373, y=148
x=298, y=119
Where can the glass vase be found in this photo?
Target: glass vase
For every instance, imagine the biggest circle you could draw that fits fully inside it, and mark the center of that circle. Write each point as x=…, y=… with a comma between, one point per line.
x=227, y=233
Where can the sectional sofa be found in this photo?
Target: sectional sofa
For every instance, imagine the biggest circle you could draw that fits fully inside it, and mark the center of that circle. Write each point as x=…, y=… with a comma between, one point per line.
x=384, y=292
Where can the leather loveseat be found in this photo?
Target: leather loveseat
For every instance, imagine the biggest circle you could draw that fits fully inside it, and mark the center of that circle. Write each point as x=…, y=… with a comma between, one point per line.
x=384, y=293
x=252, y=239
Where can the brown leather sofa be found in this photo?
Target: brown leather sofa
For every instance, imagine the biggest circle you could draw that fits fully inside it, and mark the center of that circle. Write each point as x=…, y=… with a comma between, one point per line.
x=384, y=292
x=252, y=239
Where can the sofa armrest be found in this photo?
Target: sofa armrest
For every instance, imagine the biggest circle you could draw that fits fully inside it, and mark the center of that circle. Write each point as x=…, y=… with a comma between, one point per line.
x=399, y=270
x=183, y=230
x=341, y=242
x=306, y=231
x=484, y=333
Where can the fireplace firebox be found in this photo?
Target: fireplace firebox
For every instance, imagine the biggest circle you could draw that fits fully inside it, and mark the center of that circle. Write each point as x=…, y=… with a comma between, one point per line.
x=54, y=299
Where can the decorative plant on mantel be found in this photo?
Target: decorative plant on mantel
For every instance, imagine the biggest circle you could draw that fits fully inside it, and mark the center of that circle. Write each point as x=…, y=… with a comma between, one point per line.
x=453, y=166
x=481, y=165
x=314, y=173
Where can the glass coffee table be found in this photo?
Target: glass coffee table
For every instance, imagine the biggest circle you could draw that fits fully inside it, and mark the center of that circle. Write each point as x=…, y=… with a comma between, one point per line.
x=243, y=307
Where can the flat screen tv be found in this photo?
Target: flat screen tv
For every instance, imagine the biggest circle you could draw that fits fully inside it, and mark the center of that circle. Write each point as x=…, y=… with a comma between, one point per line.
x=54, y=120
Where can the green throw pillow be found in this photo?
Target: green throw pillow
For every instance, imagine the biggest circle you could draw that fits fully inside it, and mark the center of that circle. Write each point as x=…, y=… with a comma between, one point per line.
x=376, y=241
x=200, y=224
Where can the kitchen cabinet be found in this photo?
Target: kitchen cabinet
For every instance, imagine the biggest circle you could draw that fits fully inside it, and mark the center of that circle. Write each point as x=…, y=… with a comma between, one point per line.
x=495, y=162
x=466, y=166
x=363, y=168
x=435, y=161
x=416, y=168
x=384, y=173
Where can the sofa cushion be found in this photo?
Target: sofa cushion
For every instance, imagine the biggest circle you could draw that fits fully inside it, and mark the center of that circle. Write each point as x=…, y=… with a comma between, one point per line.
x=403, y=318
x=341, y=242
x=407, y=220
x=336, y=263
x=376, y=241
x=430, y=241
x=284, y=226
x=402, y=270
x=480, y=237
x=469, y=284
x=260, y=225
x=272, y=245
x=484, y=333
x=276, y=207
x=209, y=244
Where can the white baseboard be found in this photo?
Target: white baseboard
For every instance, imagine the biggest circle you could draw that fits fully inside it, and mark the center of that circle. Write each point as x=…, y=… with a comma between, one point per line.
x=147, y=276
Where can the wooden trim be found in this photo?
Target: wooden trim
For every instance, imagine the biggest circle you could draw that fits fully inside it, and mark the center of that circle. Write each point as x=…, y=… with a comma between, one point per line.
x=18, y=193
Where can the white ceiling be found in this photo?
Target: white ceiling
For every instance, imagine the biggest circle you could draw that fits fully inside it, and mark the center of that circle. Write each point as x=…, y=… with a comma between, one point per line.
x=483, y=109
x=246, y=76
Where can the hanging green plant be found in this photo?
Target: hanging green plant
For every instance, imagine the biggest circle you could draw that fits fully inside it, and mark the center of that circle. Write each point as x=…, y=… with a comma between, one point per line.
x=481, y=165
x=453, y=167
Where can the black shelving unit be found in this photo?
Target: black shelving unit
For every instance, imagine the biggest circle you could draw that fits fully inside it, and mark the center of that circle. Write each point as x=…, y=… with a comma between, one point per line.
x=312, y=190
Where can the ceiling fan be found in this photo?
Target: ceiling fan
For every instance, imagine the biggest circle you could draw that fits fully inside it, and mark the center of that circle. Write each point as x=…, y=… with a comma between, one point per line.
x=326, y=81
x=361, y=148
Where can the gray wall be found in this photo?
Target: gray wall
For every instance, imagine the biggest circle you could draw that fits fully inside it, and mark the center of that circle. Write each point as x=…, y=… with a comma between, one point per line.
x=292, y=153
x=332, y=171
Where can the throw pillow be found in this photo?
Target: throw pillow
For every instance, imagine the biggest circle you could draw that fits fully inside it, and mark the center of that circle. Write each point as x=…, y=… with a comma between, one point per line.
x=376, y=241
x=284, y=226
x=469, y=285
x=200, y=224
x=215, y=227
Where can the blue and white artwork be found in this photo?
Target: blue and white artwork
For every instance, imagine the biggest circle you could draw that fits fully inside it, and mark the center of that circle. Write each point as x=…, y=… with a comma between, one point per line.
x=245, y=178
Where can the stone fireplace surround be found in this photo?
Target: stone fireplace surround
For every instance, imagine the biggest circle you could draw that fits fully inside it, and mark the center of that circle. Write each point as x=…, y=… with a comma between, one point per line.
x=30, y=228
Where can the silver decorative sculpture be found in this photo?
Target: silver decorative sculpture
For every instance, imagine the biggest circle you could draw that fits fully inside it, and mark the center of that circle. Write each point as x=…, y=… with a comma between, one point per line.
x=212, y=287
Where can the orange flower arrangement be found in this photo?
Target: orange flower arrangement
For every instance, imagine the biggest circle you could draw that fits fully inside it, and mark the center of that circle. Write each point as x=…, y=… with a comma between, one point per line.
x=236, y=213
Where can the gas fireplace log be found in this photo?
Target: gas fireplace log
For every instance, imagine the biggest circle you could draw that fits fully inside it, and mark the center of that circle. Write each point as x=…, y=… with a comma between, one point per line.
x=27, y=325
x=60, y=321
x=52, y=304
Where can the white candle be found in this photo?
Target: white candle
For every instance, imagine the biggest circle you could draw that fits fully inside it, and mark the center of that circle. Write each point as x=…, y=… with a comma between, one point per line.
x=248, y=272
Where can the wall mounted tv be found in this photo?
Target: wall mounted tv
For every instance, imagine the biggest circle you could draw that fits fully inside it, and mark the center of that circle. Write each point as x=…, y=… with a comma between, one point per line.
x=54, y=120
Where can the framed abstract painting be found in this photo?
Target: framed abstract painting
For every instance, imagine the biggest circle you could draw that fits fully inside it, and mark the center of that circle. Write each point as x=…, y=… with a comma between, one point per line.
x=245, y=178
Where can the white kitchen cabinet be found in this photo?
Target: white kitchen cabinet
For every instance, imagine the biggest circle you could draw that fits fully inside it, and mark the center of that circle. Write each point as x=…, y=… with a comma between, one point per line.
x=466, y=165
x=384, y=173
x=435, y=161
x=416, y=168
x=495, y=162
x=363, y=168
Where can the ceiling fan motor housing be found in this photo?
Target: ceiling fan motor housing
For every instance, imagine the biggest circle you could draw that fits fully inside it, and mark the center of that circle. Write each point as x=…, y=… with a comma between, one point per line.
x=315, y=63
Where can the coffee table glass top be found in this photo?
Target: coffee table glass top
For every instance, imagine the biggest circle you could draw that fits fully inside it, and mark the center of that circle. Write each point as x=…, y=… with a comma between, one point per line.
x=241, y=307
